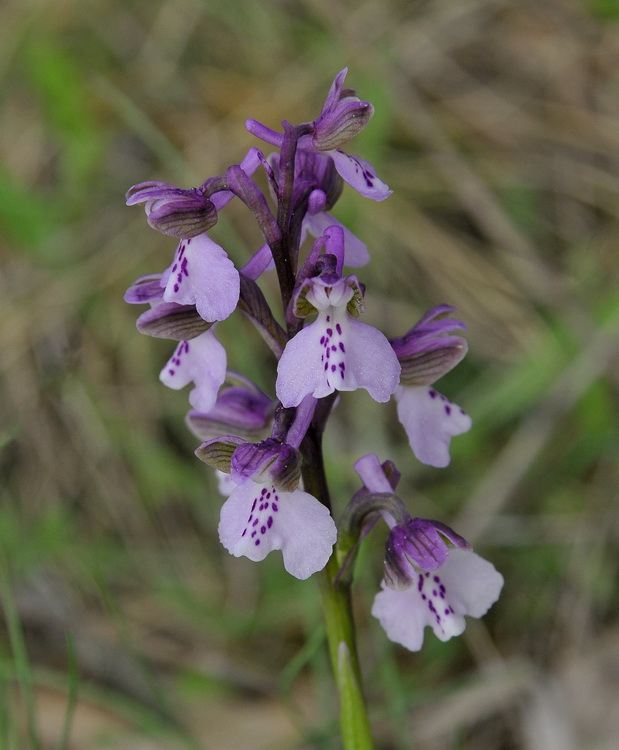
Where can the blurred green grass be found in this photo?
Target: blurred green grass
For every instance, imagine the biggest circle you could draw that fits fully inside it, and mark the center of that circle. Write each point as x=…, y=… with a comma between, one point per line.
x=496, y=125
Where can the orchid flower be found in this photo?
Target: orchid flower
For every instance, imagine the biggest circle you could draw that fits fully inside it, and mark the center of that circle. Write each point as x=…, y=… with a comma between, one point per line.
x=202, y=275
x=432, y=576
x=465, y=584
x=335, y=352
x=426, y=353
x=267, y=512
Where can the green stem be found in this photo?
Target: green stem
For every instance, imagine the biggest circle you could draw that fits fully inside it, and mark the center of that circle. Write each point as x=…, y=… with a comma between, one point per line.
x=336, y=599
x=354, y=722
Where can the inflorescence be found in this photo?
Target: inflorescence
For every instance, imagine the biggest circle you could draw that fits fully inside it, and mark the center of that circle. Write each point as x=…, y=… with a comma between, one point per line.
x=263, y=447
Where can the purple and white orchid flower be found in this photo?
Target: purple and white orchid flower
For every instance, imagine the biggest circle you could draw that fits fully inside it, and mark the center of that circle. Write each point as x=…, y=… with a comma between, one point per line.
x=432, y=577
x=261, y=514
x=465, y=584
x=336, y=351
x=426, y=353
x=201, y=275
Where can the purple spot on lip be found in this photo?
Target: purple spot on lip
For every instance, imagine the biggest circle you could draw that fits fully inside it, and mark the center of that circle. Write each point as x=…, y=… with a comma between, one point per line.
x=329, y=332
x=447, y=410
x=432, y=393
x=171, y=372
x=338, y=328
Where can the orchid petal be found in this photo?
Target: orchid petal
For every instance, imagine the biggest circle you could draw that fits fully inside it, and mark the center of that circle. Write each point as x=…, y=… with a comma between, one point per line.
x=204, y=276
x=466, y=585
x=257, y=519
x=201, y=360
x=335, y=92
x=430, y=421
x=360, y=175
x=144, y=290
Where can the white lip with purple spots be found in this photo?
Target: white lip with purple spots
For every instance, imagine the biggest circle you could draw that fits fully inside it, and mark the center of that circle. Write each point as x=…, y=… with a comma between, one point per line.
x=430, y=420
x=258, y=518
x=465, y=585
x=204, y=276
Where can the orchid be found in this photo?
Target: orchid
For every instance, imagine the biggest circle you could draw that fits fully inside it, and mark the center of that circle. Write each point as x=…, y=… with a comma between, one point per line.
x=432, y=576
x=266, y=510
x=465, y=584
x=266, y=450
x=335, y=352
x=426, y=353
x=258, y=518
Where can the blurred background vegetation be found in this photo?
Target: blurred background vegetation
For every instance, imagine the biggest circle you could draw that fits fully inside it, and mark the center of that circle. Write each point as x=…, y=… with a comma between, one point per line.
x=497, y=125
